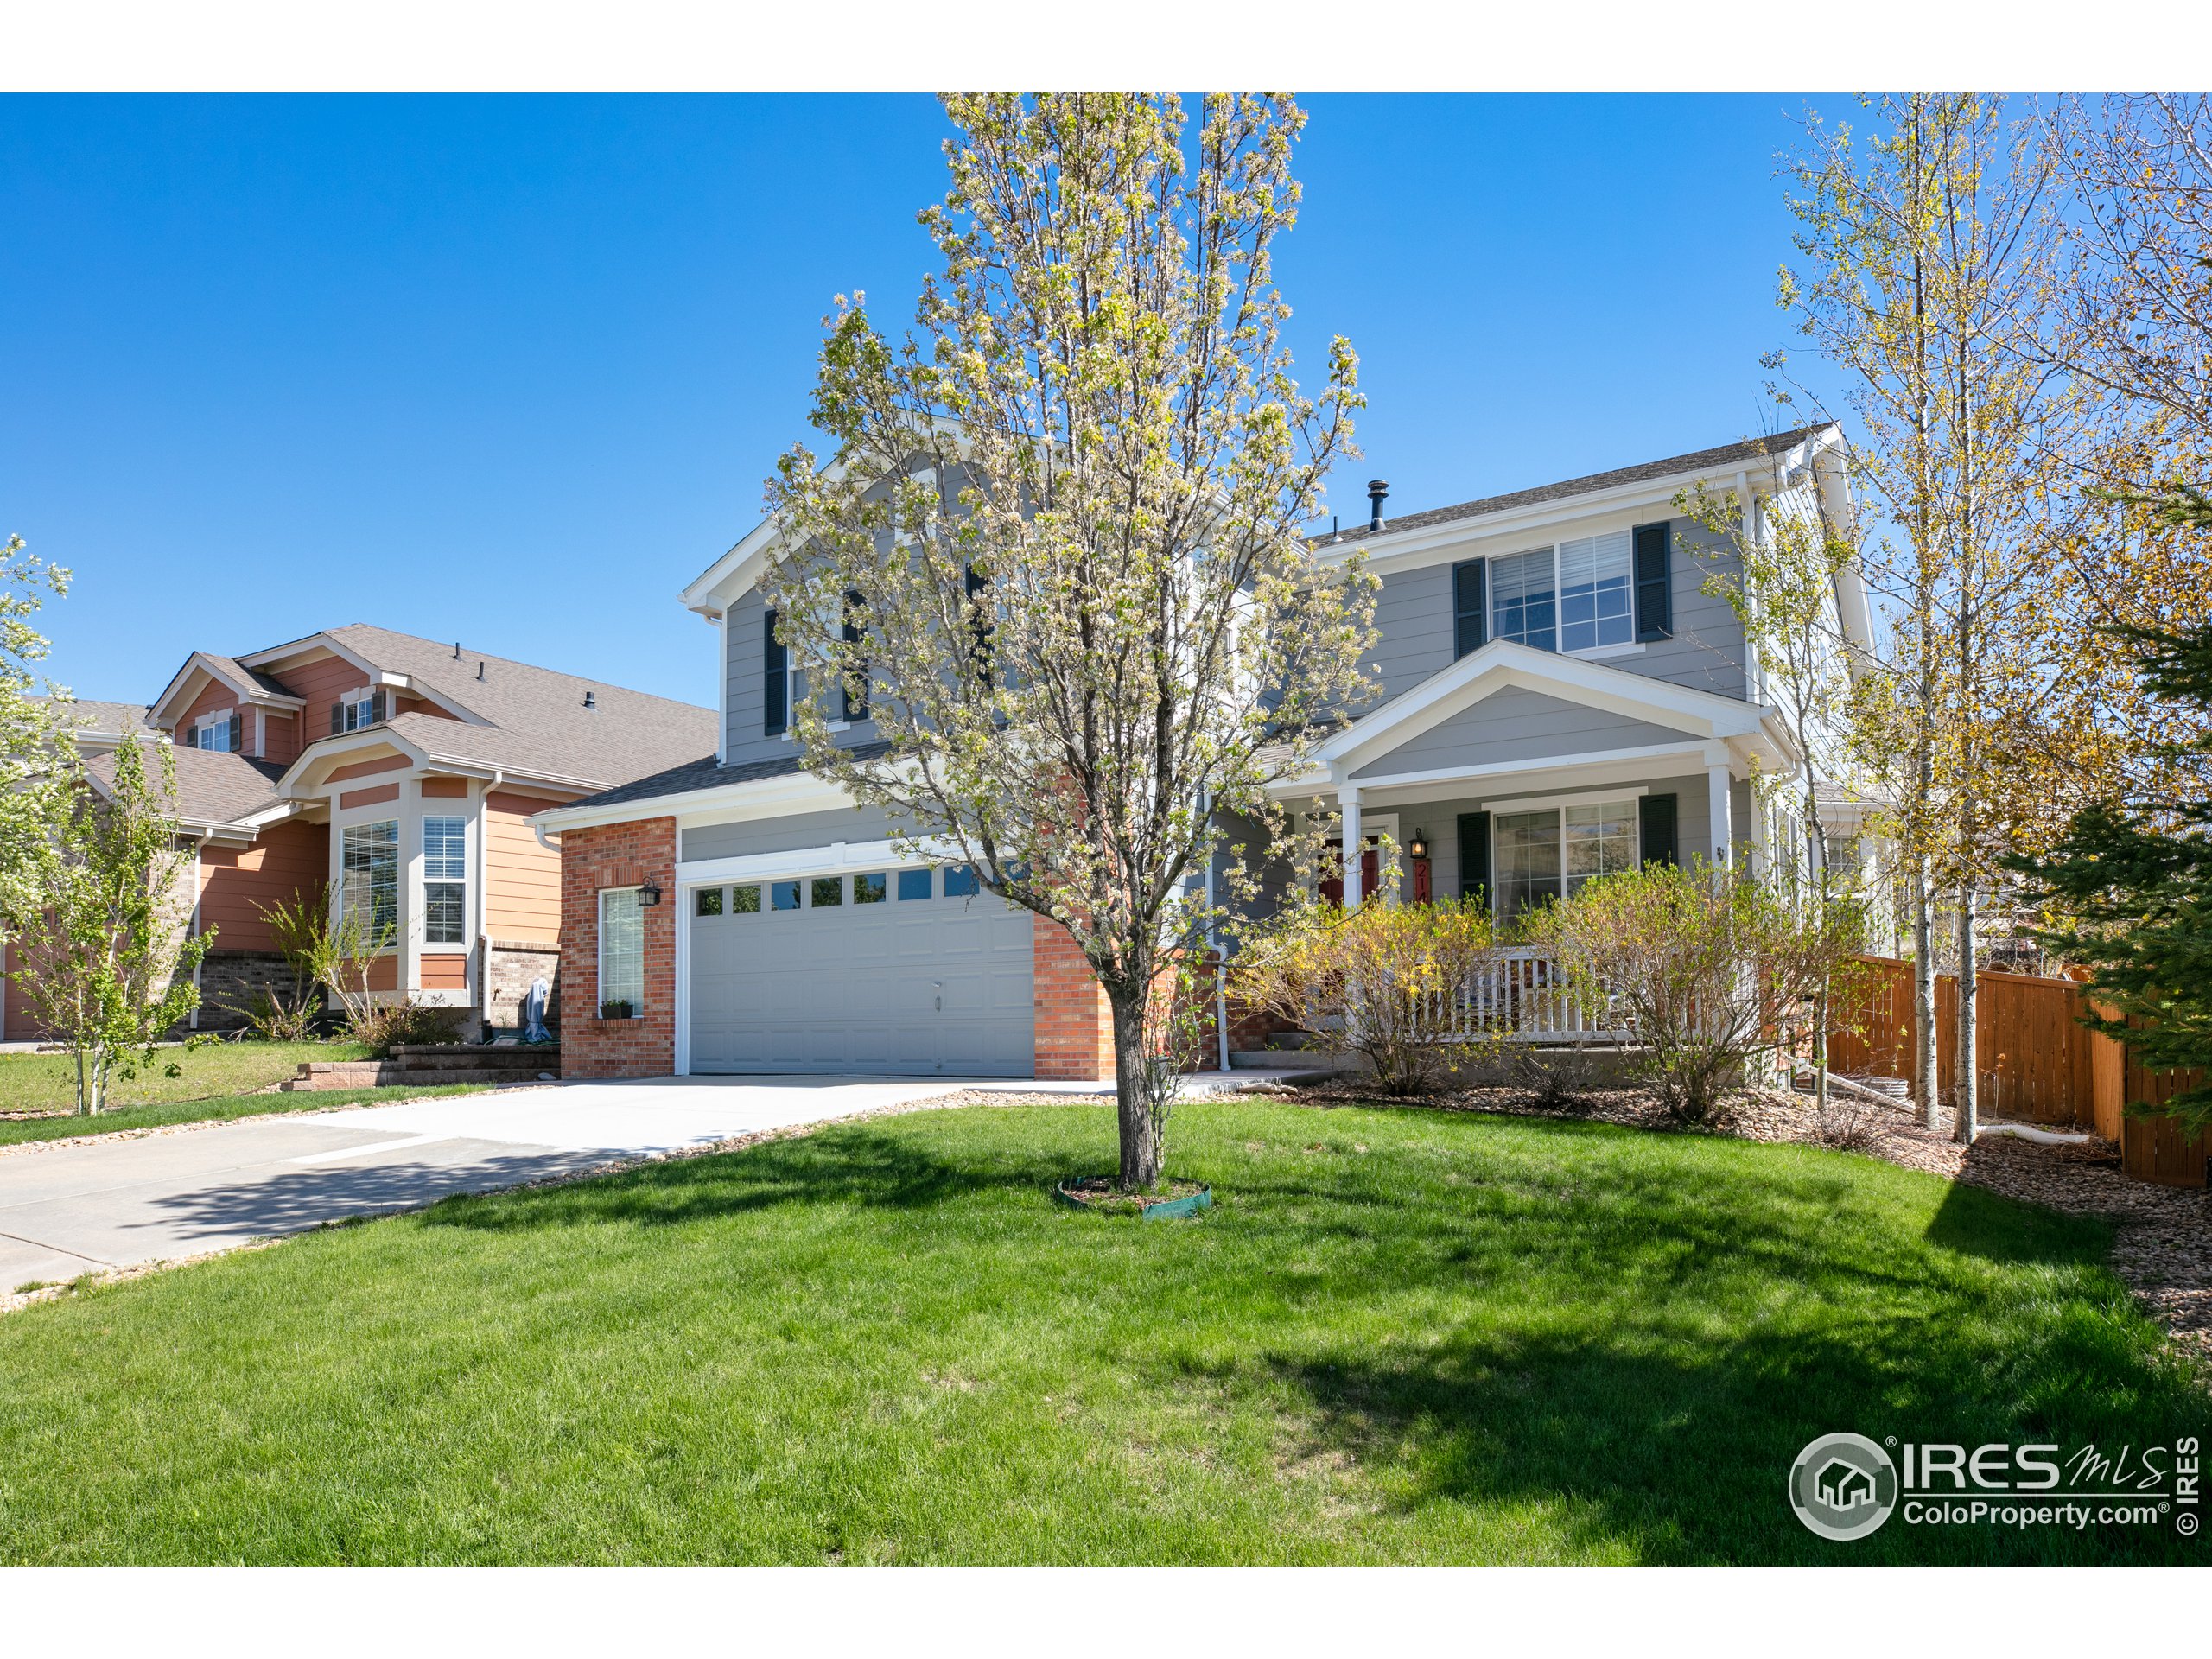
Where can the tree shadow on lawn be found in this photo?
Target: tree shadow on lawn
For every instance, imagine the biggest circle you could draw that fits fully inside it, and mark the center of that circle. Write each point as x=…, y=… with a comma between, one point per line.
x=1681, y=1451
x=844, y=1166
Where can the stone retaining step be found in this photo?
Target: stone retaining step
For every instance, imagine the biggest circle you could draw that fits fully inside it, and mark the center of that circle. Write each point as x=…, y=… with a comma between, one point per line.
x=432, y=1064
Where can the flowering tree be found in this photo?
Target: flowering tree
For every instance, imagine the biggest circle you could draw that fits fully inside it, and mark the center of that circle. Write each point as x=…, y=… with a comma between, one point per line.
x=1057, y=557
x=107, y=964
x=34, y=745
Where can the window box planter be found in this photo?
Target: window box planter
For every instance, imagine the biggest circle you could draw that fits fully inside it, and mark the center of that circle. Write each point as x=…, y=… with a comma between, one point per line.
x=617, y=1010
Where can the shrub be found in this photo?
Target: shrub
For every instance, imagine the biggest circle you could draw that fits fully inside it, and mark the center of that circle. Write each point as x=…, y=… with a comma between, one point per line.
x=385, y=1026
x=1712, y=969
x=1382, y=981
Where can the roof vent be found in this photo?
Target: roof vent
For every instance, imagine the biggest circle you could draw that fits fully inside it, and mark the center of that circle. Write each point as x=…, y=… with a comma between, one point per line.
x=456, y=651
x=1378, y=492
x=591, y=699
x=480, y=670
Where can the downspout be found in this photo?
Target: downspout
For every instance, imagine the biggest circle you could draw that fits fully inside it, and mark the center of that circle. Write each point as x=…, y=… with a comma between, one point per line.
x=198, y=847
x=484, y=900
x=1220, y=962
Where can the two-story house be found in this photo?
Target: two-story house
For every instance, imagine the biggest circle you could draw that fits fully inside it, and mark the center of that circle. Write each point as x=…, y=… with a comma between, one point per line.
x=401, y=774
x=1560, y=697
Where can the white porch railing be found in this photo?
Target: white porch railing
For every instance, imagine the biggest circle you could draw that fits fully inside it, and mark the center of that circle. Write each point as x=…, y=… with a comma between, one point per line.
x=1522, y=996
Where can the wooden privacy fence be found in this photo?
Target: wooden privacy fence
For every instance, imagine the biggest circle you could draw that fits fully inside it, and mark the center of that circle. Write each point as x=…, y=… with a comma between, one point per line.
x=2036, y=1061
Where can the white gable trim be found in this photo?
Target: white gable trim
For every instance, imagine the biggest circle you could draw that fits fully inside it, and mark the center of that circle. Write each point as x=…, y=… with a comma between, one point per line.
x=1502, y=664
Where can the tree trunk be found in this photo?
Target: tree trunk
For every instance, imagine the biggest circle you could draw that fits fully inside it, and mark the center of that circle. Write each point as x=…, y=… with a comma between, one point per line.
x=84, y=1104
x=1966, y=1120
x=1923, y=995
x=1143, y=1143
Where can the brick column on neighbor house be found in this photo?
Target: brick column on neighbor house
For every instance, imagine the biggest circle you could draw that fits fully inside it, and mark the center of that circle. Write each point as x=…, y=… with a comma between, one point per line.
x=617, y=855
x=1075, y=1027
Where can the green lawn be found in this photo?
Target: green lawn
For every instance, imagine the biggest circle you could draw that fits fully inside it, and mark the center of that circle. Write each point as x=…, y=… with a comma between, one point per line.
x=221, y=1109
x=44, y=1083
x=1401, y=1336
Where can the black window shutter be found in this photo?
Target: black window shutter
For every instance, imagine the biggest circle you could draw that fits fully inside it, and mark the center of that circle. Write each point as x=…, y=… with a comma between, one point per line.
x=856, y=707
x=336, y=718
x=1474, y=855
x=1468, y=604
x=238, y=732
x=1655, y=582
x=1655, y=818
x=775, y=680
x=980, y=653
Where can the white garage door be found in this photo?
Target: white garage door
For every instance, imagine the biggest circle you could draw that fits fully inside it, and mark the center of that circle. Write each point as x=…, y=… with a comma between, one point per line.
x=884, y=972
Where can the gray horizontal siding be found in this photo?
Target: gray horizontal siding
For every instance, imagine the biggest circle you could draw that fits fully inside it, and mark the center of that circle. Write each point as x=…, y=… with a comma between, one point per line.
x=1515, y=724
x=788, y=834
x=1413, y=614
x=742, y=658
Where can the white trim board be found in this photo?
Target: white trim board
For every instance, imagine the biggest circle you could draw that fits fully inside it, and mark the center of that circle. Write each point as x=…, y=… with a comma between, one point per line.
x=1581, y=798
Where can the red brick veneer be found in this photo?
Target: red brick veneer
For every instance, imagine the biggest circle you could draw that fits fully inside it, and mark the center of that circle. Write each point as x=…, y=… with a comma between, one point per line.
x=617, y=855
x=1075, y=1028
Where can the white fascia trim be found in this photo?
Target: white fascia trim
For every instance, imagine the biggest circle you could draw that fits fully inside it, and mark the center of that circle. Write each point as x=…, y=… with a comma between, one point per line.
x=247, y=691
x=489, y=771
x=1412, y=548
x=1578, y=798
x=765, y=798
x=1646, y=755
x=1502, y=664
x=838, y=855
x=346, y=742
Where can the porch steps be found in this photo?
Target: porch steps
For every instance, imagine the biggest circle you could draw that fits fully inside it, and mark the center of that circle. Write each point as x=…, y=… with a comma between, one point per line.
x=431, y=1065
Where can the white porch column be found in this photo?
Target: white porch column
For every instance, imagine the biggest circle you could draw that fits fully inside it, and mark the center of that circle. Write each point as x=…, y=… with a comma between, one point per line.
x=1718, y=809
x=1348, y=803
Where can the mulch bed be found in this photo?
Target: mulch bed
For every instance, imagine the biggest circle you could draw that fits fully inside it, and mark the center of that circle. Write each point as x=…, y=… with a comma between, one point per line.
x=2162, y=1235
x=1100, y=1193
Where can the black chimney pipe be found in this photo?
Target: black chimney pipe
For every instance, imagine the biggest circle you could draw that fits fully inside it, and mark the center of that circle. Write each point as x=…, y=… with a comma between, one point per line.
x=1377, y=492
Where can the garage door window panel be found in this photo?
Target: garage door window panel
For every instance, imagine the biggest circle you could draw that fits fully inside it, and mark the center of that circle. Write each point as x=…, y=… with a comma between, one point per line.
x=872, y=889
x=828, y=893
x=710, y=902
x=783, y=895
x=917, y=884
x=744, y=901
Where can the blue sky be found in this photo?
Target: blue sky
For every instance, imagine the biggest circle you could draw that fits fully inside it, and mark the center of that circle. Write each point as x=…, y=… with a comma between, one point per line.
x=512, y=369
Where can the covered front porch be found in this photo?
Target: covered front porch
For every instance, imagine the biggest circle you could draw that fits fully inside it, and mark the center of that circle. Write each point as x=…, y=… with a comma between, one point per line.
x=1515, y=777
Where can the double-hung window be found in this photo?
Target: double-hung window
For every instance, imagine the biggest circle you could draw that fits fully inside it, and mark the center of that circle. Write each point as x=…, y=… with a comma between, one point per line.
x=356, y=710
x=1593, y=593
x=1554, y=850
x=1523, y=600
x=220, y=732
x=369, y=854
x=622, y=949
x=445, y=881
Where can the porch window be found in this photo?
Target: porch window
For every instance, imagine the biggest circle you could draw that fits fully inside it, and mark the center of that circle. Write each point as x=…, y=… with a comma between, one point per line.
x=621, y=948
x=1525, y=847
x=1600, y=840
x=1523, y=600
x=1593, y=593
x=1541, y=855
x=369, y=854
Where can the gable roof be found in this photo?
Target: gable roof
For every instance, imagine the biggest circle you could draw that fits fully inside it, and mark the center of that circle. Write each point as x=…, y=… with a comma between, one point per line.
x=1698, y=460
x=211, y=787
x=90, y=718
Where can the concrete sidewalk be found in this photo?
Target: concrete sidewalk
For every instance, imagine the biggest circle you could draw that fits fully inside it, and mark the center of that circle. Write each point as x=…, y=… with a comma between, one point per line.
x=67, y=1210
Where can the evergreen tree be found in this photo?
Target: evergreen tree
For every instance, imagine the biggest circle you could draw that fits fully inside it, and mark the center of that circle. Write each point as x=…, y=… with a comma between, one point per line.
x=2134, y=879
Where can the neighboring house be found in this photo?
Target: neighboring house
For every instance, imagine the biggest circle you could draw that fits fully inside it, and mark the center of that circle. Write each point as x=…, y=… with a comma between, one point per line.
x=404, y=771
x=1560, y=698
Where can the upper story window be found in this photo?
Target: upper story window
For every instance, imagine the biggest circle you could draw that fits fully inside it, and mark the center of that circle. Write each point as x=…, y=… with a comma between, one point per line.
x=218, y=732
x=1593, y=593
x=1524, y=600
x=1585, y=595
x=355, y=710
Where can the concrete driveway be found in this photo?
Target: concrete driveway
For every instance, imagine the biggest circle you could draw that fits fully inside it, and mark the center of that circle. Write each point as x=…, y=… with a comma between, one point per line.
x=67, y=1210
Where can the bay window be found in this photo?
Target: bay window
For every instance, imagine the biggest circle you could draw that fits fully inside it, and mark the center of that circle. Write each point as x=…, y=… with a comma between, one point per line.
x=445, y=881
x=368, y=888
